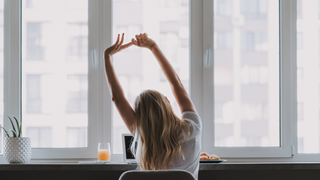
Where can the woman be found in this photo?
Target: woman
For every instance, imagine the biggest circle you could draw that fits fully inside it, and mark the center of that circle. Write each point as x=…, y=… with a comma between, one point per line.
x=164, y=140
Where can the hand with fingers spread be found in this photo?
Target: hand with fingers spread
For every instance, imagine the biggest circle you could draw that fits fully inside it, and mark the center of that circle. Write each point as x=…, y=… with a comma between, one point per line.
x=142, y=40
x=116, y=47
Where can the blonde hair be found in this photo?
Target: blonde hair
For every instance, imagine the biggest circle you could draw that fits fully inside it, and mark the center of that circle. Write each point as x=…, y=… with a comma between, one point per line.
x=159, y=130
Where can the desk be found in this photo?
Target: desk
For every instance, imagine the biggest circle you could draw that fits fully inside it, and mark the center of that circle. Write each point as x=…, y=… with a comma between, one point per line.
x=226, y=171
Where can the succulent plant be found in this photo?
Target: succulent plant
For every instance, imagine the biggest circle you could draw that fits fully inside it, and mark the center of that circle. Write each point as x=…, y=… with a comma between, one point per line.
x=16, y=130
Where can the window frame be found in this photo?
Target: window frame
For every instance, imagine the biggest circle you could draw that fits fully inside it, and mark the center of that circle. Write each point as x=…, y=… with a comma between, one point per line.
x=201, y=82
x=12, y=82
x=287, y=94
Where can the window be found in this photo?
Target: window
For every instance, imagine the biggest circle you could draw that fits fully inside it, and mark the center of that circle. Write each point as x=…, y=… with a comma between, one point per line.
x=223, y=40
x=254, y=9
x=223, y=8
x=299, y=9
x=76, y=137
x=168, y=23
x=78, y=41
x=308, y=87
x=247, y=92
x=33, y=93
x=251, y=68
x=35, y=46
x=244, y=97
x=254, y=41
x=56, y=68
x=40, y=136
x=77, y=94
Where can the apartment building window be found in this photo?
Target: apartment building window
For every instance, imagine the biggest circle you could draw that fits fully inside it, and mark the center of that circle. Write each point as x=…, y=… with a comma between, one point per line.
x=76, y=137
x=299, y=9
x=35, y=47
x=41, y=137
x=78, y=41
x=223, y=8
x=224, y=40
x=254, y=74
x=29, y=3
x=254, y=9
x=254, y=41
x=169, y=43
x=77, y=94
x=33, y=84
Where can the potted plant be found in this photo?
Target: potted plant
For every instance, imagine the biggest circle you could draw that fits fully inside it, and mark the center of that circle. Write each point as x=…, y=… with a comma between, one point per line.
x=17, y=149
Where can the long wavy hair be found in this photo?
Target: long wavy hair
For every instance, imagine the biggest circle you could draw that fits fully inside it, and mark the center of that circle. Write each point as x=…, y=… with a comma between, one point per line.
x=159, y=130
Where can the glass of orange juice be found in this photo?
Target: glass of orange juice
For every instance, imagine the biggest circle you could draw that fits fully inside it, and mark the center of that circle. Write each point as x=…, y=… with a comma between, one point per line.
x=104, y=152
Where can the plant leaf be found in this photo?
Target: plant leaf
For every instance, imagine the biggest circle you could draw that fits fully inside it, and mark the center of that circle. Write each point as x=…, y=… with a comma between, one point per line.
x=5, y=131
x=20, y=132
x=12, y=124
x=18, y=127
x=14, y=133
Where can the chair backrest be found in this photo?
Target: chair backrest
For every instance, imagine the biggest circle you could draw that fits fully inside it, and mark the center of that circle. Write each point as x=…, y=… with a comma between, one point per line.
x=157, y=175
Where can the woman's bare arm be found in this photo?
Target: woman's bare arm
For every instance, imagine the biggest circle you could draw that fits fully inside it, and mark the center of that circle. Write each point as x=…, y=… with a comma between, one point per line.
x=181, y=95
x=123, y=106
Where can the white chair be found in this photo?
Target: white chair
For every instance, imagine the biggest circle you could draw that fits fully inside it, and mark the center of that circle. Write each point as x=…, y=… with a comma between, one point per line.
x=157, y=175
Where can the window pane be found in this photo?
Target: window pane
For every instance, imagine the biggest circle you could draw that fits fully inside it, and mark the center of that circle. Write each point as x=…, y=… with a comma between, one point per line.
x=246, y=73
x=308, y=76
x=55, y=72
x=166, y=22
x=1, y=72
x=40, y=136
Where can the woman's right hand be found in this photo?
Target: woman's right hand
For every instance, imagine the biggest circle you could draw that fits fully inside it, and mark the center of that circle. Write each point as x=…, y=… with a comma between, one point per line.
x=142, y=40
x=116, y=47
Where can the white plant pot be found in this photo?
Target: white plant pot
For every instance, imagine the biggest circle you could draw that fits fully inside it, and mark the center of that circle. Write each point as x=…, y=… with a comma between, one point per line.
x=17, y=149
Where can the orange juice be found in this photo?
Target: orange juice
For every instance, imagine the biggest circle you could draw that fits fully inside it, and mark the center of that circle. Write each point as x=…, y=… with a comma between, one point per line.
x=104, y=155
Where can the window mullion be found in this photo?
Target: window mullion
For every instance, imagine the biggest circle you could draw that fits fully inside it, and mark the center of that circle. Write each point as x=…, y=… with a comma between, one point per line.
x=105, y=104
x=207, y=65
x=288, y=90
x=11, y=60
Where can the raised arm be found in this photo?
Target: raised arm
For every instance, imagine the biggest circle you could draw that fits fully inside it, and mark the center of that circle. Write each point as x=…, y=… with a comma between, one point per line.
x=181, y=95
x=117, y=94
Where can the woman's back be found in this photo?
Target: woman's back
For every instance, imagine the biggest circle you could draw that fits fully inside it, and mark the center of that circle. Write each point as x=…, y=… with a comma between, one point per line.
x=191, y=149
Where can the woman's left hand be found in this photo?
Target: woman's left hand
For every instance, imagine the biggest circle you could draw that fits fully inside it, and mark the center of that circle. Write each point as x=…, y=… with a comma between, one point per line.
x=116, y=47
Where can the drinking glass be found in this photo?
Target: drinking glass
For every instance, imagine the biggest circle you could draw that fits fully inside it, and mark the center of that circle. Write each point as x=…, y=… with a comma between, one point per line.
x=104, y=152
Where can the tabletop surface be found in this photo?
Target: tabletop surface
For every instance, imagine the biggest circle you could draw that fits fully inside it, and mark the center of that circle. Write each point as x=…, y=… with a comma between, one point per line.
x=125, y=167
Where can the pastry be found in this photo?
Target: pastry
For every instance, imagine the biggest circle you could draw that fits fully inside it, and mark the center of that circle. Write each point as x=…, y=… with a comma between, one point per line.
x=205, y=154
x=214, y=157
x=204, y=158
